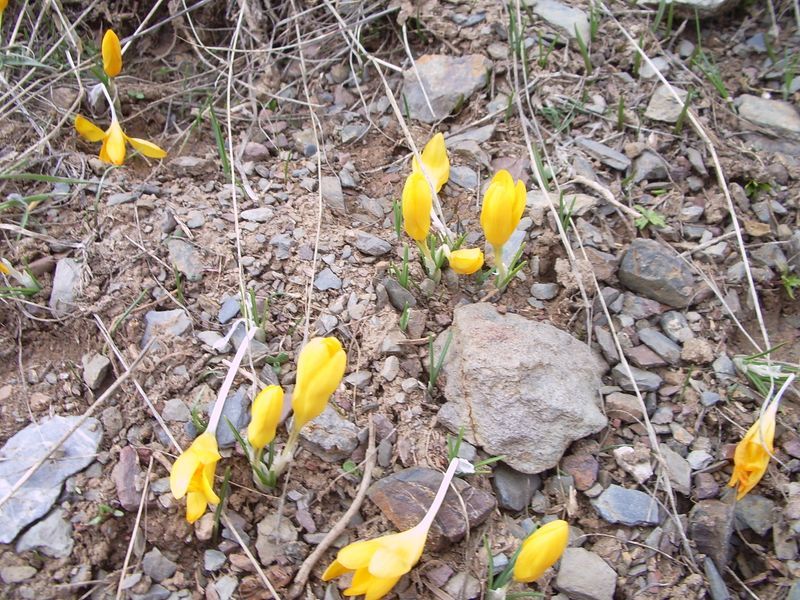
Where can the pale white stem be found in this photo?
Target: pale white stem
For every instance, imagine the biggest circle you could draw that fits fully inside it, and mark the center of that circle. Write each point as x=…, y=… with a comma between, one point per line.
x=439, y=498
x=216, y=413
x=110, y=103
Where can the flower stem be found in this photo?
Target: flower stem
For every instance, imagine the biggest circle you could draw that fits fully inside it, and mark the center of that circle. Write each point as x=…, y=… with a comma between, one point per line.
x=216, y=413
x=498, y=262
x=440, y=494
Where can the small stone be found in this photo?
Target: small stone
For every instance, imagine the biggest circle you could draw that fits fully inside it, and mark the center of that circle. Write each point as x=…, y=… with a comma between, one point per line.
x=583, y=468
x=186, y=258
x=66, y=285
x=711, y=527
x=644, y=358
x=649, y=166
x=544, y=291
x=353, y=131
x=51, y=536
x=327, y=280
x=229, y=309
x=676, y=327
x=372, y=245
x=157, y=566
x=274, y=533
x=570, y=20
x=656, y=272
x=176, y=410
x=330, y=436
x=624, y=407
x=699, y=459
x=678, y=470
x=723, y=366
x=756, y=512
x=255, y=151
x=160, y=323
x=95, y=369
x=258, y=215
x=391, y=368
x=629, y=507
x=213, y=560
x=359, y=379
x=697, y=351
x=124, y=476
x=635, y=461
x=661, y=345
x=776, y=115
x=17, y=574
x=204, y=527
x=464, y=177
x=716, y=585
x=584, y=575
x=660, y=64
x=513, y=489
x=463, y=585
x=705, y=486
x=226, y=586
x=332, y=195
x=399, y=297
x=236, y=411
x=111, y=418
x=664, y=106
x=645, y=380
x=608, y=156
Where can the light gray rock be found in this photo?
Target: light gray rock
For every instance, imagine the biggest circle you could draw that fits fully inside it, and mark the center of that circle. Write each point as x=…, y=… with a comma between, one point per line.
x=258, y=215
x=235, y=410
x=629, y=507
x=448, y=81
x=330, y=436
x=607, y=156
x=186, y=258
x=678, y=470
x=175, y=409
x=756, y=512
x=327, y=280
x=659, y=62
x=38, y=494
x=645, y=380
x=463, y=585
x=51, y=536
x=663, y=106
x=563, y=17
x=649, y=166
x=372, y=245
x=584, y=575
x=213, y=560
x=656, y=272
x=229, y=309
x=505, y=384
x=95, y=369
x=273, y=533
x=464, y=177
x=160, y=323
x=157, y=566
x=699, y=459
x=676, y=326
x=661, y=345
x=16, y=574
x=544, y=291
x=704, y=8
x=332, y=195
x=780, y=117
x=66, y=285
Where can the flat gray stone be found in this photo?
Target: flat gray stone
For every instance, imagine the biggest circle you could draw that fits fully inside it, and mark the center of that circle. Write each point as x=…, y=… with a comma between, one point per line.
x=330, y=436
x=186, y=258
x=51, y=536
x=448, y=81
x=213, y=560
x=563, y=17
x=756, y=512
x=327, y=280
x=607, y=156
x=654, y=271
x=584, y=575
x=157, y=566
x=274, y=532
x=678, y=470
x=257, y=215
x=676, y=327
x=464, y=177
x=704, y=8
x=171, y=323
x=663, y=106
x=505, y=385
x=629, y=507
x=780, y=117
x=332, y=194
x=176, y=410
x=95, y=369
x=399, y=297
x=649, y=166
x=17, y=573
x=372, y=245
x=235, y=410
x=661, y=345
x=38, y=494
x=229, y=309
x=646, y=381
x=66, y=284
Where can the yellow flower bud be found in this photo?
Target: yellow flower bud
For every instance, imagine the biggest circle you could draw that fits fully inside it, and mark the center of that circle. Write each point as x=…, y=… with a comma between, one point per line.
x=266, y=414
x=752, y=454
x=541, y=550
x=466, y=261
x=112, y=54
x=503, y=205
x=320, y=369
x=192, y=475
x=435, y=162
x=417, y=202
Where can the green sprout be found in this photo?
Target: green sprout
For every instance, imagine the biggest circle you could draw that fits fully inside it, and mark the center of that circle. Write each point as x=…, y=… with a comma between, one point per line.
x=649, y=218
x=437, y=362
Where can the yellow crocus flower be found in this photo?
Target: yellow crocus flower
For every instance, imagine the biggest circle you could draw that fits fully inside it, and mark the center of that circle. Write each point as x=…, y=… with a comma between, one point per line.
x=435, y=162
x=114, y=139
x=3, y=4
x=320, y=368
x=503, y=205
x=541, y=550
x=416, y=203
x=112, y=54
x=4, y=269
x=192, y=476
x=266, y=413
x=466, y=261
x=752, y=454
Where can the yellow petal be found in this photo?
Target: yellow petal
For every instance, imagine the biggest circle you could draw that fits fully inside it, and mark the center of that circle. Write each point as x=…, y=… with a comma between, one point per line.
x=334, y=570
x=379, y=587
x=541, y=550
x=183, y=469
x=88, y=130
x=205, y=448
x=360, y=584
x=435, y=161
x=149, y=149
x=115, y=144
x=502, y=208
x=266, y=413
x=397, y=553
x=320, y=368
x=357, y=555
x=112, y=54
x=5, y=270
x=195, y=506
x=416, y=203
x=3, y=4
x=207, y=479
x=466, y=260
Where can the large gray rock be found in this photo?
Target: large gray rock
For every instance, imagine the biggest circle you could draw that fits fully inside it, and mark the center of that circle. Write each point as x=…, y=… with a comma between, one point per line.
x=656, y=272
x=584, y=575
x=506, y=385
x=39, y=493
x=448, y=80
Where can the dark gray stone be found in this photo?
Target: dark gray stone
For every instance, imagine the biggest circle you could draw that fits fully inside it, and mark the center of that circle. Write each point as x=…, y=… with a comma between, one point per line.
x=95, y=369
x=645, y=380
x=399, y=297
x=716, y=585
x=607, y=156
x=649, y=166
x=711, y=527
x=629, y=507
x=584, y=575
x=330, y=436
x=157, y=566
x=327, y=280
x=235, y=410
x=654, y=271
x=661, y=345
x=756, y=512
x=513, y=489
x=372, y=245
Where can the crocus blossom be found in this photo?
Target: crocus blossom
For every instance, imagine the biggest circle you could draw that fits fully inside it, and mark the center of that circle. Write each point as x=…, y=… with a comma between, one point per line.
x=23, y=278
x=752, y=454
x=416, y=204
x=114, y=139
x=435, y=162
x=112, y=54
x=266, y=413
x=192, y=476
x=541, y=550
x=503, y=205
x=320, y=368
x=466, y=260
x=3, y=5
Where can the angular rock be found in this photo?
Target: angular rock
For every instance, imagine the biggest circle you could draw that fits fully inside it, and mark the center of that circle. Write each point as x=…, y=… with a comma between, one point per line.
x=624, y=407
x=213, y=560
x=404, y=498
x=711, y=527
x=645, y=380
x=607, y=156
x=399, y=297
x=95, y=369
x=704, y=8
x=663, y=106
x=274, y=533
x=656, y=272
x=66, y=284
x=160, y=323
x=568, y=19
x=644, y=358
x=235, y=410
x=629, y=507
x=51, y=536
x=327, y=280
x=584, y=575
x=513, y=489
x=372, y=245
x=448, y=81
x=330, y=436
x=583, y=468
x=38, y=494
x=229, y=309
x=186, y=258
x=678, y=470
x=780, y=117
x=157, y=566
x=635, y=461
x=16, y=574
x=649, y=166
x=756, y=512
x=716, y=584
x=505, y=384
x=124, y=476
x=332, y=195
x=661, y=345
x=258, y=215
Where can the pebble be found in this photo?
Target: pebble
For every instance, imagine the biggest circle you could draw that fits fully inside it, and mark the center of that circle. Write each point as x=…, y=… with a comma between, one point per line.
x=699, y=459
x=756, y=512
x=776, y=115
x=716, y=584
x=607, y=156
x=226, y=586
x=391, y=368
x=399, y=297
x=51, y=536
x=635, y=461
x=583, y=468
x=659, y=62
x=654, y=271
x=513, y=489
x=544, y=291
x=160, y=323
x=327, y=280
x=697, y=351
x=157, y=566
x=95, y=369
x=186, y=258
x=66, y=284
x=644, y=358
x=663, y=106
x=111, y=418
x=678, y=470
x=464, y=177
x=372, y=245
x=676, y=327
x=124, y=476
x=705, y=486
x=629, y=507
x=723, y=366
x=213, y=560
x=274, y=533
x=175, y=409
x=661, y=345
x=711, y=527
x=17, y=573
x=195, y=219
x=463, y=585
x=330, y=436
x=645, y=380
x=649, y=166
x=586, y=576
x=568, y=19
x=624, y=407
x=235, y=410
x=332, y=194
x=229, y=309
x=359, y=379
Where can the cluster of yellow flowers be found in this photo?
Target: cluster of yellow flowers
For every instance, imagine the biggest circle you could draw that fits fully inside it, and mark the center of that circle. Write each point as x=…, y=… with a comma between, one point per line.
x=503, y=205
x=320, y=368
x=114, y=138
